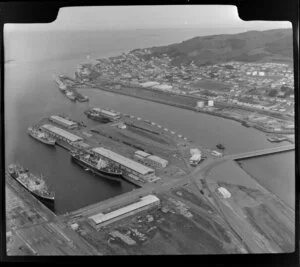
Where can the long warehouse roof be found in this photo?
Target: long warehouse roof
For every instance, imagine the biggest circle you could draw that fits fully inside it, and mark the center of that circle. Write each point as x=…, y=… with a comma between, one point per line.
x=146, y=200
x=133, y=165
x=61, y=132
x=63, y=120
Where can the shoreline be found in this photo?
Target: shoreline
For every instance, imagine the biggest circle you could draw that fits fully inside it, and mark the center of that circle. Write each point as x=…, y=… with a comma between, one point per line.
x=186, y=107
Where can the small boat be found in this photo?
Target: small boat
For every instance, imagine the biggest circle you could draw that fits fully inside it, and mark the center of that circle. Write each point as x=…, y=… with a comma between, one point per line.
x=220, y=146
x=32, y=183
x=41, y=136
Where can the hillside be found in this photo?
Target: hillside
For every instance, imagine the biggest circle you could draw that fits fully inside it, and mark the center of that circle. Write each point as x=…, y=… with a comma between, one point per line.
x=251, y=46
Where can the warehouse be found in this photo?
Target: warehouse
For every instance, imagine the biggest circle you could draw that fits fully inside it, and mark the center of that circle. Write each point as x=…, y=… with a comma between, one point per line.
x=126, y=164
x=146, y=202
x=150, y=160
x=64, y=122
x=60, y=133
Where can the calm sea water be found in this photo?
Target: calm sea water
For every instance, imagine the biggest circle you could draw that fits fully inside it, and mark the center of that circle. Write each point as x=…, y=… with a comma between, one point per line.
x=30, y=94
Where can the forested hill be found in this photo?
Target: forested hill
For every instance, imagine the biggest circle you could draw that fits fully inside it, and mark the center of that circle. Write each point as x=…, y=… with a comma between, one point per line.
x=251, y=46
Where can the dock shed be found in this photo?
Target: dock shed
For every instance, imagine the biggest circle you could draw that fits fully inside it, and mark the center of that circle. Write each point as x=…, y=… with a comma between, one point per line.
x=63, y=121
x=60, y=133
x=126, y=164
x=144, y=203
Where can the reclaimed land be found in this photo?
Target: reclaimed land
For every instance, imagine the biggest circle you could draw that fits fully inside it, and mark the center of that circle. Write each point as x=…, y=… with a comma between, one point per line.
x=189, y=103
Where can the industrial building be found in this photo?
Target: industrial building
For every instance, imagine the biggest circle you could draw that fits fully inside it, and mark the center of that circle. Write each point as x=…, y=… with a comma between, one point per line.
x=150, y=160
x=200, y=104
x=126, y=164
x=60, y=133
x=210, y=103
x=144, y=203
x=63, y=122
x=216, y=153
x=108, y=113
x=224, y=192
x=196, y=156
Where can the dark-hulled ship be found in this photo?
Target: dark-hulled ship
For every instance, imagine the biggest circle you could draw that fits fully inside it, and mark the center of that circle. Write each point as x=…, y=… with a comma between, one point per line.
x=97, y=165
x=34, y=184
x=41, y=136
x=97, y=117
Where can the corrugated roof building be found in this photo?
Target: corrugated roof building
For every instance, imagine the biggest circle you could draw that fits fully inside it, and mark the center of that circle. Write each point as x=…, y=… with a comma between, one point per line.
x=144, y=203
x=126, y=164
x=150, y=160
x=64, y=122
x=60, y=133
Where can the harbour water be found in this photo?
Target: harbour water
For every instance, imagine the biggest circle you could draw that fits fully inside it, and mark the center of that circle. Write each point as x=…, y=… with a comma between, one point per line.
x=31, y=94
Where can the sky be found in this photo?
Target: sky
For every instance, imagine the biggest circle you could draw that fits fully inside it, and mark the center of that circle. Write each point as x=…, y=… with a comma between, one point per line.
x=145, y=17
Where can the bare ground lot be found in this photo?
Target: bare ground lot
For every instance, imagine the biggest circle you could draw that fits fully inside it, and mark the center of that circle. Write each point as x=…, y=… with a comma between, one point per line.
x=167, y=230
x=261, y=219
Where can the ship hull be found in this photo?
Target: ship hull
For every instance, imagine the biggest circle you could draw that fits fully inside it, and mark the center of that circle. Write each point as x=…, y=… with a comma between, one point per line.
x=108, y=175
x=44, y=199
x=98, y=118
x=43, y=141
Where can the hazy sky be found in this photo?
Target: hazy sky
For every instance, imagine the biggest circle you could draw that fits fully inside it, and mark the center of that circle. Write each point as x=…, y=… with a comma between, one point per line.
x=138, y=17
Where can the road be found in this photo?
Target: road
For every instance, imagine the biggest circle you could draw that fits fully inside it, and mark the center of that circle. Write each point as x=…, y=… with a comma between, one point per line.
x=260, y=152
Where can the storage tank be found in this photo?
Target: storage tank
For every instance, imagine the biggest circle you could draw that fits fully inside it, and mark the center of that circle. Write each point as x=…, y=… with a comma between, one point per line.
x=210, y=103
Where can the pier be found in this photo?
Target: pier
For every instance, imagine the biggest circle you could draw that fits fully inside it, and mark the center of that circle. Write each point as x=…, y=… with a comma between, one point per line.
x=260, y=152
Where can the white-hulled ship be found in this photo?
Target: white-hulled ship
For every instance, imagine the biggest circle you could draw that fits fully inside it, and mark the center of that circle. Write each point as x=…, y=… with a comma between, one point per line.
x=97, y=165
x=34, y=184
x=41, y=136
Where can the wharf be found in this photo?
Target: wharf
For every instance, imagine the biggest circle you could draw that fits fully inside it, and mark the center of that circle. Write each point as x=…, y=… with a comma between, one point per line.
x=35, y=230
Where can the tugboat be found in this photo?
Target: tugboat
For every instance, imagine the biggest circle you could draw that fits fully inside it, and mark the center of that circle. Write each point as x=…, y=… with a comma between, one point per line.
x=97, y=165
x=220, y=146
x=41, y=136
x=34, y=184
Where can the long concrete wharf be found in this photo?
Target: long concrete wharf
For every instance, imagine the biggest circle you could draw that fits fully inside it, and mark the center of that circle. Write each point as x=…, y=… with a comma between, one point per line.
x=261, y=152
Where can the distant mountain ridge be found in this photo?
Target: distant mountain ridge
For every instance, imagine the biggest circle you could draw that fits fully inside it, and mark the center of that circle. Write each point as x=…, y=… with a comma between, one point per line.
x=251, y=46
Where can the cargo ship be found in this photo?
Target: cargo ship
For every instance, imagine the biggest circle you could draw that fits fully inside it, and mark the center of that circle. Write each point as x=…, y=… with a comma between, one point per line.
x=32, y=183
x=97, y=165
x=41, y=136
x=97, y=117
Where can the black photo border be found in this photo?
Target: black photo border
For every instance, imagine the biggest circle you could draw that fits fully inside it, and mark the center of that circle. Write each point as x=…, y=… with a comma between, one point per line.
x=46, y=12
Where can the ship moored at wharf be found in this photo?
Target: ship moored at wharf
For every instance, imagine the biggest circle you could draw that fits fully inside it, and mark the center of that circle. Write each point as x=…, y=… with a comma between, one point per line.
x=96, y=165
x=32, y=183
x=41, y=136
x=102, y=115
